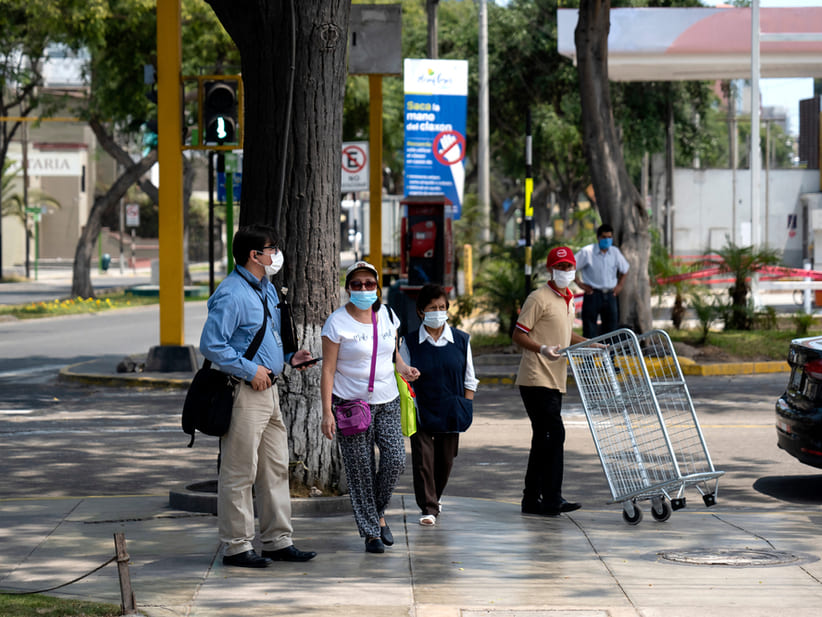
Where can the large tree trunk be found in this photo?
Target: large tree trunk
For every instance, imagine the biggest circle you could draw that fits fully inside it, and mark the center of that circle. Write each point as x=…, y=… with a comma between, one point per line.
x=619, y=202
x=307, y=175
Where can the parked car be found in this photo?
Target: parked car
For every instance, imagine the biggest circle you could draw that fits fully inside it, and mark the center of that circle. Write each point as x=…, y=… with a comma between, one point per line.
x=799, y=409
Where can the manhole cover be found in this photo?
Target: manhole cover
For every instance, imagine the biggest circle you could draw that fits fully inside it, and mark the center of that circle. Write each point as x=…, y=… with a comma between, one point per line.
x=733, y=557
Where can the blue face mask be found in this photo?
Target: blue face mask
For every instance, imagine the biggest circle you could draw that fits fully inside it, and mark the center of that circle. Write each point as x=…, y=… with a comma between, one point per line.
x=605, y=243
x=364, y=299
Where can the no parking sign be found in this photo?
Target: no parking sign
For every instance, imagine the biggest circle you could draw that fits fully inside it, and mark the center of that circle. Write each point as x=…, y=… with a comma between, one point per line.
x=354, y=166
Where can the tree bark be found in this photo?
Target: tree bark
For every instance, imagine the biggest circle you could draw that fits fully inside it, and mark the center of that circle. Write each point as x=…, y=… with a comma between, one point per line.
x=307, y=120
x=81, y=275
x=619, y=202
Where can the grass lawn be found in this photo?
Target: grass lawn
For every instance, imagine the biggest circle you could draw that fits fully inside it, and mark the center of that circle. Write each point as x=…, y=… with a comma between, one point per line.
x=37, y=605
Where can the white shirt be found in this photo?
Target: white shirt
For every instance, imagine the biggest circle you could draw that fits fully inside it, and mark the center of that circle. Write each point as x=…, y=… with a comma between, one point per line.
x=356, y=342
x=601, y=270
x=446, y=337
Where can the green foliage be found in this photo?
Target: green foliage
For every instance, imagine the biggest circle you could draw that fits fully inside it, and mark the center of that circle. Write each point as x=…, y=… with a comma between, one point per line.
x=12, y=203
x=708, y=310
x=765, y=319
x=500, y=286
x=465, y=306
x=742, y=262
x=803, y=321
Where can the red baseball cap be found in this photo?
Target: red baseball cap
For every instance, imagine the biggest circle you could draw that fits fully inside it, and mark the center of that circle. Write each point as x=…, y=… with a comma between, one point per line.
x=560, y=254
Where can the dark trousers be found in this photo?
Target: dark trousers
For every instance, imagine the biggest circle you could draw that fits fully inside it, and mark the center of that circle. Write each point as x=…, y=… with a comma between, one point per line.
x=432, y=457
x=599, y=305
x=543, y=478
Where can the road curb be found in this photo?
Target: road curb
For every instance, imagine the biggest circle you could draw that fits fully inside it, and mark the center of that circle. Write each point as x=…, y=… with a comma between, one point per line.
x=91, y=373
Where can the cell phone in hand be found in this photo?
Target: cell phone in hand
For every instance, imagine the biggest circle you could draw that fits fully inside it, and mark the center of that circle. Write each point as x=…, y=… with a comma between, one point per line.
x=310, y=362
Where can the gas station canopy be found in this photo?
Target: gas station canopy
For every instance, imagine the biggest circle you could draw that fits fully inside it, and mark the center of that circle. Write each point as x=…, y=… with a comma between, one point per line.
x=684, y=44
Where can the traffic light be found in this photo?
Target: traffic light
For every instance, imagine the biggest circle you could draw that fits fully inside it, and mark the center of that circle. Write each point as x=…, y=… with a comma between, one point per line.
x=220, y=111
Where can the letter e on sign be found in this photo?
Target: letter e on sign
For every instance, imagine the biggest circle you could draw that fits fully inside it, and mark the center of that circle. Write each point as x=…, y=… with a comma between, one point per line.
x=354, y=166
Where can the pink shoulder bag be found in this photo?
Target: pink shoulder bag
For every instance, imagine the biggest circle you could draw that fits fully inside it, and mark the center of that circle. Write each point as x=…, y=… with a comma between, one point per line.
x=354, y=417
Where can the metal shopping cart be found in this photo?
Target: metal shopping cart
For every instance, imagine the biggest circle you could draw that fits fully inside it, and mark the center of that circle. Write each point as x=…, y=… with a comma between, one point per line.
x=643, y=422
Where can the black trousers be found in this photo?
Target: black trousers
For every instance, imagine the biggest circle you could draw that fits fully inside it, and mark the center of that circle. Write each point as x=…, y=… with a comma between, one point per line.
x=543, y=478
x=599, y=305
x=432, y=457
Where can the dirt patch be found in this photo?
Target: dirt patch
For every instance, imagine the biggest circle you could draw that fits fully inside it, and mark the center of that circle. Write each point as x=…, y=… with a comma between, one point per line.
x=707, y=354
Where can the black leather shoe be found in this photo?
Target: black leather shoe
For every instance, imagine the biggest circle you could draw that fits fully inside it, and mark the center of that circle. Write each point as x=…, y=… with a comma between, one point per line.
x=562, y=506
x=374, y=545
x=289, y=553
x=386, y=536
x=249, y=559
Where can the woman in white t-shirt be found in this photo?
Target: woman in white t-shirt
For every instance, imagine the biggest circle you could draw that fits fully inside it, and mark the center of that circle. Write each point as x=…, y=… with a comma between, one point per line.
x=348, y=350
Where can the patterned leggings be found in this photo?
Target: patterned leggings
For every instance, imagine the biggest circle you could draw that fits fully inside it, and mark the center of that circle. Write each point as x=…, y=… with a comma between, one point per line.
x=371, y=488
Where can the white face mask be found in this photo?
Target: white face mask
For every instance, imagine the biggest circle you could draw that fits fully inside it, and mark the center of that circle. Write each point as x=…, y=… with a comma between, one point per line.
x=435, y=319
x=563, y=278
x=276, y=264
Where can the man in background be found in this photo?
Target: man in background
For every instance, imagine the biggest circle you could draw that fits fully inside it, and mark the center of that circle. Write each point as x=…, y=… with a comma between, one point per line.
x=601, y=271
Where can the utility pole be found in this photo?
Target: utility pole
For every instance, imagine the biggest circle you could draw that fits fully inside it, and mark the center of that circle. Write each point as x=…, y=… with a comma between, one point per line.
x=529, y=207
x=433, y=43
x=483, y=164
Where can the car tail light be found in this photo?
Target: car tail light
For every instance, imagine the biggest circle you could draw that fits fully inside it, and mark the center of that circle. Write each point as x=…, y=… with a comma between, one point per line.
x=814, y=369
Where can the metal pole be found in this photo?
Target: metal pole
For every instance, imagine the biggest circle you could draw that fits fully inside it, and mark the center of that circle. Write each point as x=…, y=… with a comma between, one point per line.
x=170, y=160
x=755, y=160
x=529, y=208
x=483, y=162
x=229, y=219
x=25, y=145
x=210, y=223
x=375, y=172
x=433, y=42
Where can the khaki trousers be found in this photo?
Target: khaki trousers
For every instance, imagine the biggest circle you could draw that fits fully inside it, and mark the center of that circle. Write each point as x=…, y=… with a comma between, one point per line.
x=254, y=452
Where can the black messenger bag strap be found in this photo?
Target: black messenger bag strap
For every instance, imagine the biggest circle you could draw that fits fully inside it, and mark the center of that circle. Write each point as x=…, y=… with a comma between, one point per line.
x=258, y=338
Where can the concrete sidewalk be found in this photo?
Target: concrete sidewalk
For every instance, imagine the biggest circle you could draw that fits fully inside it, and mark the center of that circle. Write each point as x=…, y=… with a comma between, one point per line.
x=482, y=558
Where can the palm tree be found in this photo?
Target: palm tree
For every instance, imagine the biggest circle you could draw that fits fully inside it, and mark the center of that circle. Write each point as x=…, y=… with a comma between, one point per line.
x=742, y=262
x=13, y=204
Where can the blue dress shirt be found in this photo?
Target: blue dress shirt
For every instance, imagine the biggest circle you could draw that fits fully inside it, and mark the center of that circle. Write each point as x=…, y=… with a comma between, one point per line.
x=235, y=314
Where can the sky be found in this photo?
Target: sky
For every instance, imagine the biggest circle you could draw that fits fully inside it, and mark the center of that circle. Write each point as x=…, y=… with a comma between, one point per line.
x=784, y=92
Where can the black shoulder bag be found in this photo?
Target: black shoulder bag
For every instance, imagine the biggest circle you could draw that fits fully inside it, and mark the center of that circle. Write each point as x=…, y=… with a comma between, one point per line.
x=210, y=397
x=288, y=333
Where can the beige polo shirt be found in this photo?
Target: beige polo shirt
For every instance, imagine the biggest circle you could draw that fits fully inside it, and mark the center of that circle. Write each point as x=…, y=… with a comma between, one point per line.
x=549, y=320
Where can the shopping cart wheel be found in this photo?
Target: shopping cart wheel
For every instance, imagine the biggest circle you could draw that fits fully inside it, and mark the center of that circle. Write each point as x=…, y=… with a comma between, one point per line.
x=678, y=504
x=663, y=513
x=709, y=499
x=632, y=519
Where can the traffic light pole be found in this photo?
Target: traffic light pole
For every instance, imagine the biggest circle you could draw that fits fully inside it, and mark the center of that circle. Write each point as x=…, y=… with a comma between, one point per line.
x=210, y=223
x=171, y=354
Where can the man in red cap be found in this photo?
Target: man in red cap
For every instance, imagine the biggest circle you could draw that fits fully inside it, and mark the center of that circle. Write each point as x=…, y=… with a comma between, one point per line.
x=545, y=325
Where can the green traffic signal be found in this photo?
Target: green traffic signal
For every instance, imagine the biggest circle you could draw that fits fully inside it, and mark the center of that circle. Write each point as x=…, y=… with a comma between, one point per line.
x=220, y=112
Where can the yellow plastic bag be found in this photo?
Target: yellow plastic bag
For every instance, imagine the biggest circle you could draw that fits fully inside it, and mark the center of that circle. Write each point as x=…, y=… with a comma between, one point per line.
x=409, y=410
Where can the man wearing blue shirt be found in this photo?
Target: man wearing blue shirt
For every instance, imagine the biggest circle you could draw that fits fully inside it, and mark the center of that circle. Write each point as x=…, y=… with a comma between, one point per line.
x=601, y=270
x=254, y=451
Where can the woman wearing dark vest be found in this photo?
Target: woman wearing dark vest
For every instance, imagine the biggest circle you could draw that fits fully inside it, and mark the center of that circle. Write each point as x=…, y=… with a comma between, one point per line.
x=444, y=395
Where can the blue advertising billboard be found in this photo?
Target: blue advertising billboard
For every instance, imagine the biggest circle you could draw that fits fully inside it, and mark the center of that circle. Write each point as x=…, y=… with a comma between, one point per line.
x=436, y=101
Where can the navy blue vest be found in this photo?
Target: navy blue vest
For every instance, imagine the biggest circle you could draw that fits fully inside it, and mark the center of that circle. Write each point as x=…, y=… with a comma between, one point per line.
x=440, y=389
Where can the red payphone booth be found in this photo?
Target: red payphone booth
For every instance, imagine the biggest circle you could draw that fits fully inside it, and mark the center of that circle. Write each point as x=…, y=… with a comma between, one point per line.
x=427, y=243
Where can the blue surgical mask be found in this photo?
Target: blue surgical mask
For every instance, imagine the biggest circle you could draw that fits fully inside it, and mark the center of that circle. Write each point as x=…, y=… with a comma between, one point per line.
x=605, y=243
x=364, y=299
x=435, y=319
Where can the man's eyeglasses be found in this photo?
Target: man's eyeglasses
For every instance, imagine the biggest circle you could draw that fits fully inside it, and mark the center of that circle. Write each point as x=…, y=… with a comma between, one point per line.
x=270, y=247
x=360, y=285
